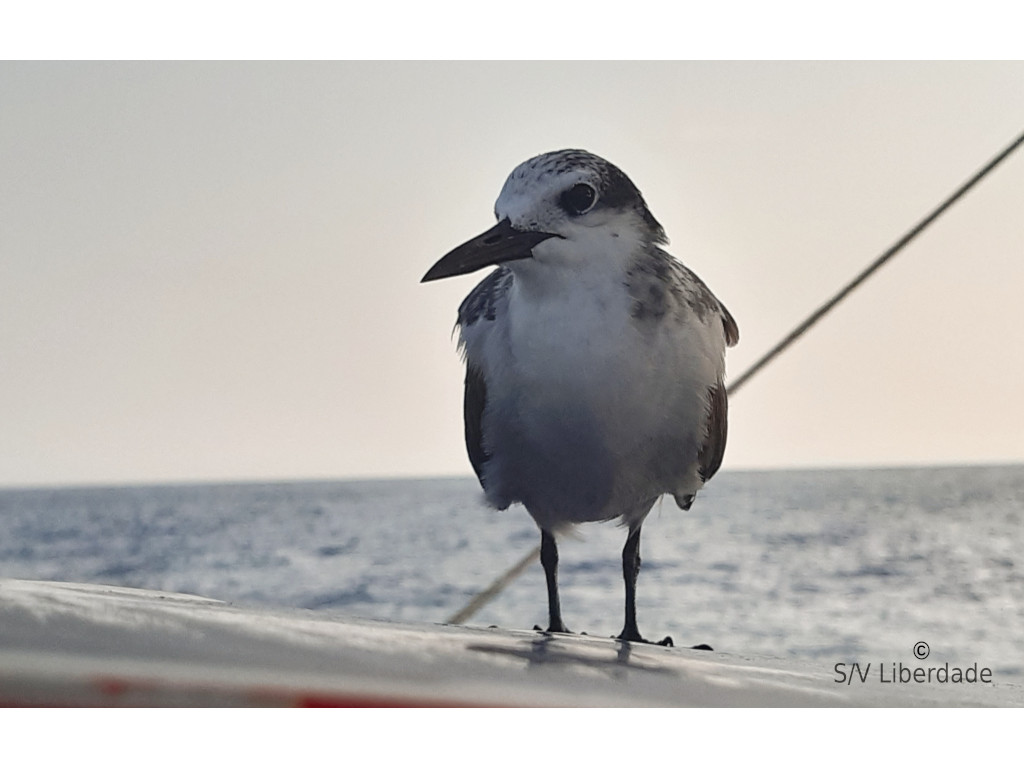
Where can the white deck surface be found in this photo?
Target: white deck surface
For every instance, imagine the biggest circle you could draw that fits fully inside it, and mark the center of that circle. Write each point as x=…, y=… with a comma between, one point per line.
x=91, y=645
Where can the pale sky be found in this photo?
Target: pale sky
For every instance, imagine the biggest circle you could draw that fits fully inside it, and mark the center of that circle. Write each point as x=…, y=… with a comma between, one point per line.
x=211, y=271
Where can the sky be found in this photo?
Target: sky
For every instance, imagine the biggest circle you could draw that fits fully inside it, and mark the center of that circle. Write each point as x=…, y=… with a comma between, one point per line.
x=210, y=271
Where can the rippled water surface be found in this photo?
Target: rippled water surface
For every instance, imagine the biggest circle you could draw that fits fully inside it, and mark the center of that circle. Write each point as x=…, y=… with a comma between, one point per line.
x=834, y=566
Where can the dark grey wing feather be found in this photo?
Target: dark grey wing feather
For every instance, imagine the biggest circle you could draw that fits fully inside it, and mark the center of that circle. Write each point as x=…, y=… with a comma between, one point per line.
x=732, y=331
x=659, y=284
x=482, y=301
x=482, y=305
x=713, y=450
x=474, y=402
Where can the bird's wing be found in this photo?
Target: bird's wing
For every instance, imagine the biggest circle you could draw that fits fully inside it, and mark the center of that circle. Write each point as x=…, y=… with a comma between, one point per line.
x=712, y=450
x=658, y=282
x=704, y=299
x=482, y=302
x=476, y=317
x=473, y=404
x=709, y=459
x=732, y=331
x=664, y=289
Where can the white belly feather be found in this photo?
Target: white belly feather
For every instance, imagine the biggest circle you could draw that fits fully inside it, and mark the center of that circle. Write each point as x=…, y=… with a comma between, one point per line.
x=582, y=394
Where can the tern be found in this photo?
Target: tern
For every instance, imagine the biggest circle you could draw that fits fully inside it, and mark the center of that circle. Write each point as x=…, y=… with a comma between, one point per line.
x=595, y=361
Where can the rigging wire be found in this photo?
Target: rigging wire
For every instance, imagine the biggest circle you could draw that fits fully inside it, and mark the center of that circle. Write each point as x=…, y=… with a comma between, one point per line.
x=484, y=597
x=847, y=289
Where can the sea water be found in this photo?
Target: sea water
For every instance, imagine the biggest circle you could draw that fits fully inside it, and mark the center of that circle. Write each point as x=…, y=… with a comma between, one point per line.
x=829, y=566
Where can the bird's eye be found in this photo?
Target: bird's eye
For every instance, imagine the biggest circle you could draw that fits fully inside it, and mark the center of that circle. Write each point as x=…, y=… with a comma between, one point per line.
x=579, y=199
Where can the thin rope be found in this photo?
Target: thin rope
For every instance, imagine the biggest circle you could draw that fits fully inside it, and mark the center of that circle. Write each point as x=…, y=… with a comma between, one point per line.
x=492, y=591
x=512, y=573
x=846, y=290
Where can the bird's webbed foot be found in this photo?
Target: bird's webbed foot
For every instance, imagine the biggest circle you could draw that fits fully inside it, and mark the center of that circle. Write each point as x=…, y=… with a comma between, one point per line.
x=559, y=628
x=634, y=637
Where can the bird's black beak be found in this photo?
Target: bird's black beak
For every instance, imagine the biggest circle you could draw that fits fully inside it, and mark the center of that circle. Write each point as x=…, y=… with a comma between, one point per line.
x=500, y=243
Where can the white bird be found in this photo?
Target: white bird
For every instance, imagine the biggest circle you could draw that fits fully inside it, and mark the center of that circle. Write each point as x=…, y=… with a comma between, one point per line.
x=594, y=360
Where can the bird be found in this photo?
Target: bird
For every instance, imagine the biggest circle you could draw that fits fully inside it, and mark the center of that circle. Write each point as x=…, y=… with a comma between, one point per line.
x=594, y=360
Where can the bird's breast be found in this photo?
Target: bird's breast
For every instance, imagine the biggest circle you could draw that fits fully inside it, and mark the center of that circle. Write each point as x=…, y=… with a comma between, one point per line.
x=580, y=344
x=589, y=413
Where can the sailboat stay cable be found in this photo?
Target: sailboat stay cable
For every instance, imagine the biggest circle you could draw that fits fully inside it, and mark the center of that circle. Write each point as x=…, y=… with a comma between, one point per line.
x=847, y=289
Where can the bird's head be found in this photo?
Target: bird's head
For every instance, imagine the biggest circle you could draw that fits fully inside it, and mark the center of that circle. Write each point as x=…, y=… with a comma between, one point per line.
x=560, y=208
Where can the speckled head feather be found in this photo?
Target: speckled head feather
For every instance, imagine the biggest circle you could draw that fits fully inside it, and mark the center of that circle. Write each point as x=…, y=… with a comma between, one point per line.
x=615, y=189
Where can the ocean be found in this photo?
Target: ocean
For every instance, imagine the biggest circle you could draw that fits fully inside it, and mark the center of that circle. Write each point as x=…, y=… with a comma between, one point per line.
x=828, y=566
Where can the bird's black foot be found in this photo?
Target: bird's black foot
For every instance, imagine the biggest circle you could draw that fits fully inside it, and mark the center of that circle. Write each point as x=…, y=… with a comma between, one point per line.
x=560, y=629
x=701, y=647
x=634, y=637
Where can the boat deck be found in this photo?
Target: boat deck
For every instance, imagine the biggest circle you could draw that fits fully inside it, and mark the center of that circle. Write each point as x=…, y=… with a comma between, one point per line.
x=90, y=645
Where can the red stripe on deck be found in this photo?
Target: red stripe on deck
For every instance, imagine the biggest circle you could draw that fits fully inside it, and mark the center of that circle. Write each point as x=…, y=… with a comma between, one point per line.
x=116, y=691
x=374, y=702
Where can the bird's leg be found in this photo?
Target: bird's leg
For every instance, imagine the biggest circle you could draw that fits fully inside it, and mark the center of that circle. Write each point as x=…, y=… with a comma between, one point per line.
x=549, y=559
x=630, y=571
